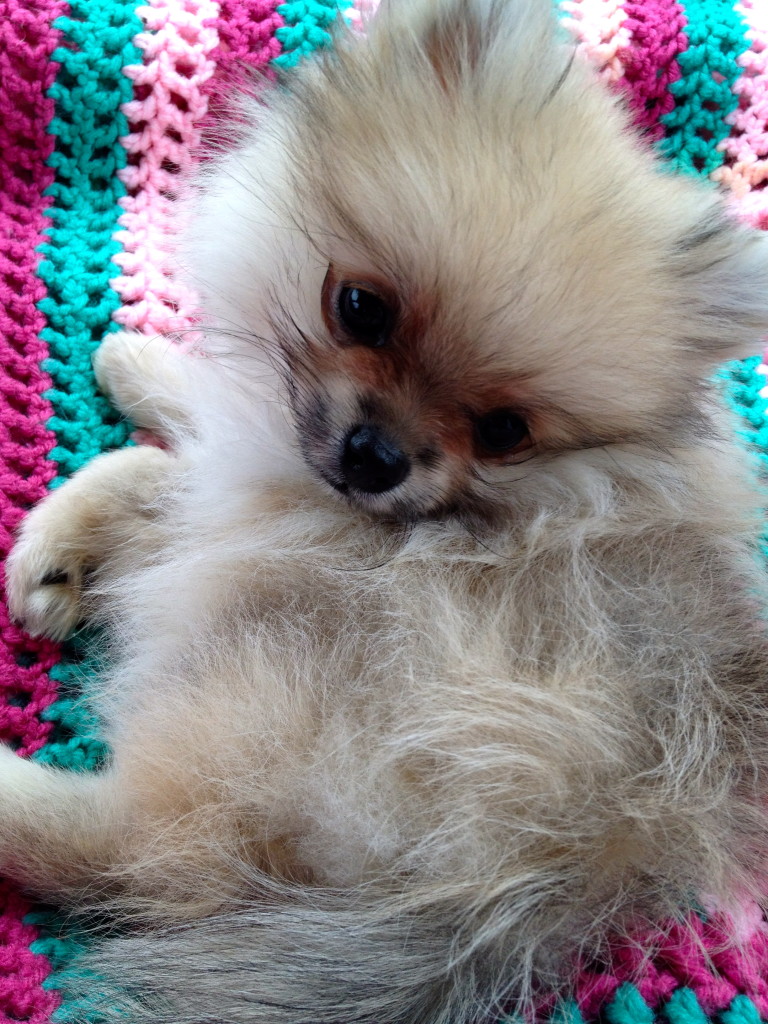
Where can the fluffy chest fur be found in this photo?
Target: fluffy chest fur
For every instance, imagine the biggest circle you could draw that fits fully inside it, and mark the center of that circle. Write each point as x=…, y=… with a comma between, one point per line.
x=370, y=701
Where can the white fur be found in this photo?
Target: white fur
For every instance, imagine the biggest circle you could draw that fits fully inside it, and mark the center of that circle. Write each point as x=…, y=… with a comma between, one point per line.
x=416, y=749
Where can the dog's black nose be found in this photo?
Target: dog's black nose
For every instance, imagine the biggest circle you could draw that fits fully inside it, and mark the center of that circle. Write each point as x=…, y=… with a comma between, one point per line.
x=371, y=463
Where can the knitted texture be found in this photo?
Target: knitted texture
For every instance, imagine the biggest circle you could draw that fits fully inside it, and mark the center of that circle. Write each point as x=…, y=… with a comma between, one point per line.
x=745, y=150
x=642, y=977
x=27, y=71
x=27, y=41
x=651, y=63
x=103, y=105
x=703, y=93
x=600, y=30
x=306, y=28
x=165, y=118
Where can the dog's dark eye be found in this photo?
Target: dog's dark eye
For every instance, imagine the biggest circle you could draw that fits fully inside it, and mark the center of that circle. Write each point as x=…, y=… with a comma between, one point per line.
x=364, y=315
x=501, y=430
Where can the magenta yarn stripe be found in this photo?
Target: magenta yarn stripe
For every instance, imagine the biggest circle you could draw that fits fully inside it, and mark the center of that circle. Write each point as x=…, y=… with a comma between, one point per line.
x=657, y=30
x=247, y=39
x=27, y=40
x=247, y=33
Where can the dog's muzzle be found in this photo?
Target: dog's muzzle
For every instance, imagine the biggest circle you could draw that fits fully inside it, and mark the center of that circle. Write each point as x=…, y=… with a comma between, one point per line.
x=371, y=463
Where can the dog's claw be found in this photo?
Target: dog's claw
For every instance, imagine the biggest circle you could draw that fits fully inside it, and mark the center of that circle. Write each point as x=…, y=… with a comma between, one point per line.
x=43, y=596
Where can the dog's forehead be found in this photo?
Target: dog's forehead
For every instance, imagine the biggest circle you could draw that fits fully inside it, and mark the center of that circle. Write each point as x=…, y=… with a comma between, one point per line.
x=479, y=280
x=473, y=243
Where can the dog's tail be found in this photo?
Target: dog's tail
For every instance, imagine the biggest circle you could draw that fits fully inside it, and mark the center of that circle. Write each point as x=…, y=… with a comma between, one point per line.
x=325, y=959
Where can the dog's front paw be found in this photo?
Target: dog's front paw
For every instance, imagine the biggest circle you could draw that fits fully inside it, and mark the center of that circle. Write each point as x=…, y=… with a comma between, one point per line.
x=118, y=363
x=142, y=377
x=44, y=580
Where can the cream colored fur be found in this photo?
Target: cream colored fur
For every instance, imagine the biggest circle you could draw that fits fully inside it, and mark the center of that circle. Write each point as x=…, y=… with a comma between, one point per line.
x=398, y=757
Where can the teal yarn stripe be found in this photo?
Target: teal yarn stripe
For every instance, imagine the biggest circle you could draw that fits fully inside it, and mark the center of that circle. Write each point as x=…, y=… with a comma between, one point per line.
x=75, y=741
x=566, y=1012
x=307, y=28
x=89, y=90
x=693, y=129
x=743, y=385
x=628, y=1007
x=741, y=1011
x=77, y=258
x=76, y=266
x=683, y=1007
x=97, y=41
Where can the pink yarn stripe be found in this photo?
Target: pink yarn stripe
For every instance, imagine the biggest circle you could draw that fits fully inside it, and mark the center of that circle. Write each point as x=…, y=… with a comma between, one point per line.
x=599, y=27
x=164, y=116
x=657, y=29
x=745, y=171
x=194, y=54
x=360, y=12
x=27, y=41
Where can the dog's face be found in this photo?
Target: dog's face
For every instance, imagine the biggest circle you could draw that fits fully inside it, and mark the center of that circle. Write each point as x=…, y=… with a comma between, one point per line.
x=399, y=407
x=480, y=272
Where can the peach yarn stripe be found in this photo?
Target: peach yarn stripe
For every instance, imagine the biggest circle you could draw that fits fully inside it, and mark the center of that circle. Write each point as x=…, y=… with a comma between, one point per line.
x=599, y=27
x=745, y=171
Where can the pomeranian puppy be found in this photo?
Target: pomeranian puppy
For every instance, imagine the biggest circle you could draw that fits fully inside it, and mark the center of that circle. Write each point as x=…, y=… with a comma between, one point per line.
x=437, y=625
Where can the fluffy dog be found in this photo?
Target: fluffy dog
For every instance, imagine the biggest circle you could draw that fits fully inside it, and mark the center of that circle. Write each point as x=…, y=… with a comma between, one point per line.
x=437, y=625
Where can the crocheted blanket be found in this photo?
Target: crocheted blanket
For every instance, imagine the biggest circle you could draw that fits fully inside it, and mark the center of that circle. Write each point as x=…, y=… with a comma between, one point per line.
x=102, y=103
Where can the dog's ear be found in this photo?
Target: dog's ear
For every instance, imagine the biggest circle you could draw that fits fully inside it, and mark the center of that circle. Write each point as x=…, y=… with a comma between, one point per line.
x=457, y=36
x=723, y=269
